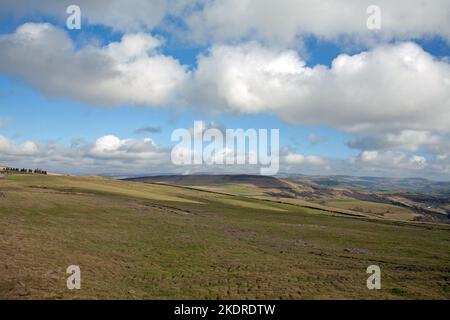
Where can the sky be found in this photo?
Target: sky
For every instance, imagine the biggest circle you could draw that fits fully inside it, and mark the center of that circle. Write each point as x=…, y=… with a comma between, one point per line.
x=347, y=99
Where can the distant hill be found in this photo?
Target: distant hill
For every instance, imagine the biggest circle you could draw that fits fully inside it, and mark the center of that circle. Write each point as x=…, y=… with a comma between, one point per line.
x=212, y=180
x=377, y=183
x=400, y=199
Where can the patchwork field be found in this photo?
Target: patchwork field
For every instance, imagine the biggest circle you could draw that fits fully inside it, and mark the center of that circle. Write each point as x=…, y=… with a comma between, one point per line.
x=135, y=240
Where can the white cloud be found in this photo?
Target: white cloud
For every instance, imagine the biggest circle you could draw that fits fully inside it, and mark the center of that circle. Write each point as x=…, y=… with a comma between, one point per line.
x=277, y=22
x=112, y=155
x=392, y=96
x=399, y=89
x=284, y=21
x=121, y=15
x=408, y=139
x=295, y=158
x=440, y=150
x=8, y=147
x=418, y=161
x=108, y=154
x=129, y=71
x=107, y=143
x=412, y=140
x=111, y=147
x=247, y=78
x=368, y=156
x=396, y=160
x=381, y=152
x=393, y=87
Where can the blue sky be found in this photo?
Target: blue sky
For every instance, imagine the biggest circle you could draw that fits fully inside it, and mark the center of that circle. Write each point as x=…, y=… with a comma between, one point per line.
x=47, y=120
x=49, y=116
x=122, y=121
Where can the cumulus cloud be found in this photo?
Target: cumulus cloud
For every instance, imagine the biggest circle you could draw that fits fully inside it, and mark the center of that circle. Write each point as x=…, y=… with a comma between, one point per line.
x=441, y=149
x=121, y=15
x=277, y=22
x=389, y=163
x=393, y=96
x=390, y=160
x=382, y=152
x=129, y=71
x=112, y=155
x=284, y=21
x=7, y=147
x=111, y=147
x=408, y=139
x=392, y=87
x=295, y=158
x=107, y=154
x=246, y=78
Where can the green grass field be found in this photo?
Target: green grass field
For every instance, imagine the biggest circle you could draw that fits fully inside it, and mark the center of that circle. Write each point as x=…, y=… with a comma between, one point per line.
x=134, y=240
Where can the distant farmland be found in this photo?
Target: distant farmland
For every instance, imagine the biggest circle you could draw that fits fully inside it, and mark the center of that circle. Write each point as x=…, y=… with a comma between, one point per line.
x=383, y=198
x=134, y=240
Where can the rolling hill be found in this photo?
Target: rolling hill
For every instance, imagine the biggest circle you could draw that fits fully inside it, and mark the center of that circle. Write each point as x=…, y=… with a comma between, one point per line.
x=394, y=199
x=135, y=240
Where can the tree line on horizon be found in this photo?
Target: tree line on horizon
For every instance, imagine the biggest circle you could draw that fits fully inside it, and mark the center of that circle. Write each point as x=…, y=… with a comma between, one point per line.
x=24, y=170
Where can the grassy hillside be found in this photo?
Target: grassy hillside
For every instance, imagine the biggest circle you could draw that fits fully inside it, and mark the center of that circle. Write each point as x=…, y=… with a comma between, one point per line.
x=347, y=195
x=136, y=240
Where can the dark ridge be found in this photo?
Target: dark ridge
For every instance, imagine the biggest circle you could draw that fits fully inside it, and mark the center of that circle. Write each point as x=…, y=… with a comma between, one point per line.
x=201, y=180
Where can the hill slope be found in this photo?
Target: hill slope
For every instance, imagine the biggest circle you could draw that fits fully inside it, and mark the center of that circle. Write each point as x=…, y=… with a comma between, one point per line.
x=361, y=196
x=135, y=240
